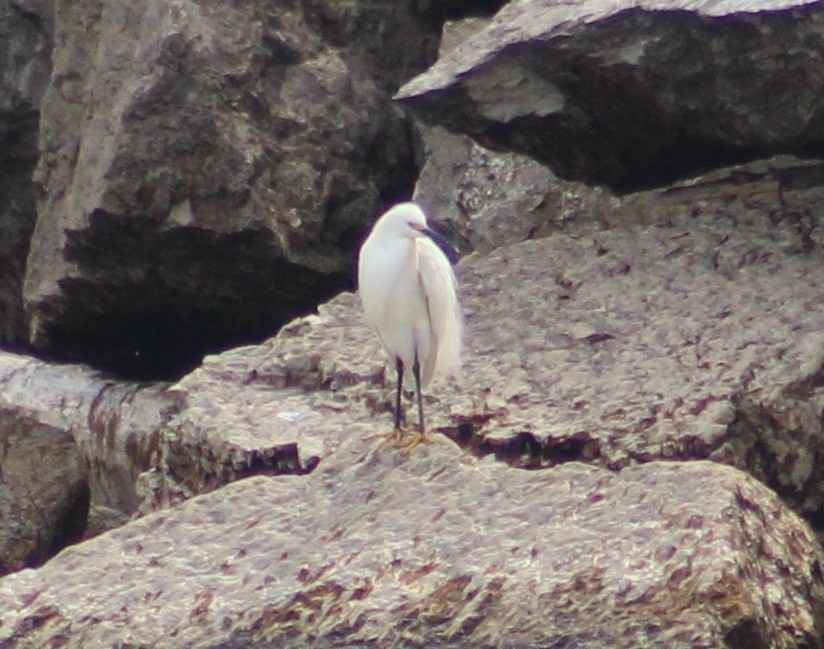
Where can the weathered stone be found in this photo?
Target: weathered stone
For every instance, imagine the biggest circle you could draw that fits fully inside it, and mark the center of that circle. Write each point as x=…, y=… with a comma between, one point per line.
x=69, y=440
x=483, y=199
x=44, y=492
x=123, y=437
x=24, y=71
x=635, y=94
x=210, y=163
x=440, y=550
x=699, y=336
x=231, y=425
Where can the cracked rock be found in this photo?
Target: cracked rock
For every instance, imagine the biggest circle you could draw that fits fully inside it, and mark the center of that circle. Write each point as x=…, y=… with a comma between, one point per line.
x=72, y=445
x=697, y=335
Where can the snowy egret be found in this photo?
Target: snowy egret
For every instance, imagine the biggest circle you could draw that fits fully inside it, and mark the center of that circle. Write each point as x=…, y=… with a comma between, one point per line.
x=409, y=296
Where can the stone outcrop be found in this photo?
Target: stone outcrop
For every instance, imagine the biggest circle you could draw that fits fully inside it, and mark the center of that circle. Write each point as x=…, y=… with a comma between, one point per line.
x=589, y=347
x=440, y=550
x=209, y=163
x=635, y=94
x=44, y=493
x=72, y=447
x=484, y=199
x=194, y=157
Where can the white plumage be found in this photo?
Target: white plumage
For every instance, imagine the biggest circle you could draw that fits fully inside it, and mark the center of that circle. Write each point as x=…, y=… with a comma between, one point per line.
x=409, y=295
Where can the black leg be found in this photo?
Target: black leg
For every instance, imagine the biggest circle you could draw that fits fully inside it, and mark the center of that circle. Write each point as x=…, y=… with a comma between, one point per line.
x=416, y=370
x=398, y=417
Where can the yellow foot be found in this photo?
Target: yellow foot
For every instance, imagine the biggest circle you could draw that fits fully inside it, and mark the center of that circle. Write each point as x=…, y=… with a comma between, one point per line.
x=418, y=438
x=395, y=435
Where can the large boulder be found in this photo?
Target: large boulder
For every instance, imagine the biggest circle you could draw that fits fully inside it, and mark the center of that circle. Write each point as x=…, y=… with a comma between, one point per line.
x=44, y=482
x=207, y=169
x=696, y=335
x=635, y=94
x=73, y=445
x=44, y=492
x=440, y=549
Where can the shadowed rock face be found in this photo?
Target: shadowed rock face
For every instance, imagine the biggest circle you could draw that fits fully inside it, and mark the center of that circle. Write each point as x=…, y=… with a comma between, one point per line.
x=634, y=95
x=24, y=72
x=210, y=164
x=440, y=550
x=483, y=199
x=611, y=362
x=72, y=445
x=44, y=493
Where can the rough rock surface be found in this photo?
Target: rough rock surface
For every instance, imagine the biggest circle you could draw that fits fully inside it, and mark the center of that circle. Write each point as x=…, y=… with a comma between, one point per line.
x=635, y=94
x=210, y=163
x=700, y=336
x=44, y=492
x=70, y=441
x=24, y=72
x=440, y=550
x=695, y=331
x=483, y=199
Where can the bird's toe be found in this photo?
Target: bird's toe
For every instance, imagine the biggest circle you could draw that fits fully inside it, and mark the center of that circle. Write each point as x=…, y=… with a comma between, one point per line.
x=394, y=435
x=417, y=439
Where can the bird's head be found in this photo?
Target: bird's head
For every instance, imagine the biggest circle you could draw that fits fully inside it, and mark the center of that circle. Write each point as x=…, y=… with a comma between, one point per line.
x=407, y=220
x=404, y=220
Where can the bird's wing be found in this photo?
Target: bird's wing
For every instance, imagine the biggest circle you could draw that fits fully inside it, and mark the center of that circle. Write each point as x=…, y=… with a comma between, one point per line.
x=439, y=289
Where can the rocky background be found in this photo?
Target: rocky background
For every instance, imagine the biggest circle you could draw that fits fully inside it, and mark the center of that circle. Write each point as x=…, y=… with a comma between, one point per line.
x=633, y=456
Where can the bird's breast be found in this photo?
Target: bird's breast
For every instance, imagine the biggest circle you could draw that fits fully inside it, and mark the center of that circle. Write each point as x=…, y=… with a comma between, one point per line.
x=391, y=294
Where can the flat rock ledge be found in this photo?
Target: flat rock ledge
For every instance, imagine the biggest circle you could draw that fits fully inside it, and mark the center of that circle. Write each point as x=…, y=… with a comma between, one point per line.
x=698, y=338
x=442, y=549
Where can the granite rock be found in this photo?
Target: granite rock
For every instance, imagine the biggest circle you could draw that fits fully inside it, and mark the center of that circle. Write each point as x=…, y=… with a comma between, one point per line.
x=72, y=447
x=44, y=492
x=210, y=163
x=483, y=199
x=692, y=332
x=634, y=94
x=439, y=549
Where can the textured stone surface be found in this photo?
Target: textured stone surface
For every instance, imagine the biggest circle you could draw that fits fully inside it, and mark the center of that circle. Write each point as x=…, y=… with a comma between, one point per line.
x=70, y=440
x=483, y=199
x=24, y=72
x=700, y=336
x=440, y=550
x=591, y=347
x=634, y=94
x=44, y=492
x=210, y=163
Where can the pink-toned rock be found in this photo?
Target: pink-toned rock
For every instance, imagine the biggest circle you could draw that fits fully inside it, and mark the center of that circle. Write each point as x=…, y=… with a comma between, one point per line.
x=72, y=445
x=440, y=550
x=697, y=337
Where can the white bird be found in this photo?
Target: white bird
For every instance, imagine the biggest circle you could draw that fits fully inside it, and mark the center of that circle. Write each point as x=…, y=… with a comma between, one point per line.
x=409, y=295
